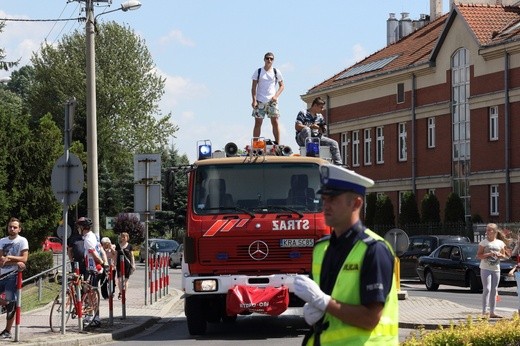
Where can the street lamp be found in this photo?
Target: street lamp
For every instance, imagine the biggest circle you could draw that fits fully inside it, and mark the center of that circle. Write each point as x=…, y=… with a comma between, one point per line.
x=92, y=153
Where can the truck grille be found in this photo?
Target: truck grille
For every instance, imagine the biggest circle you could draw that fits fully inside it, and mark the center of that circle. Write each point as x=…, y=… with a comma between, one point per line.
x=263, y=252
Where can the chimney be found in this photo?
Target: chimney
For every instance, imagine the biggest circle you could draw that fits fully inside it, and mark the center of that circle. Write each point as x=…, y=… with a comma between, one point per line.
x=405, y=25
x=392, y=29
x=436, y=9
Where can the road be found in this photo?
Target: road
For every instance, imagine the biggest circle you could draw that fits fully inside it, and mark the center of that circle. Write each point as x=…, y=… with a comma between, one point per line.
x=287, y=329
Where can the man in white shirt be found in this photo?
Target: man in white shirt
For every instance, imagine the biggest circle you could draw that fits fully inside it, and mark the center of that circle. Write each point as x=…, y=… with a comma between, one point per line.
x=14, y=251
x=265, y=96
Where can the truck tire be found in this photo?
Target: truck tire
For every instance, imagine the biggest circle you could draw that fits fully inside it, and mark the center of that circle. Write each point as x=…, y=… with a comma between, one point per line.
x=194, y=311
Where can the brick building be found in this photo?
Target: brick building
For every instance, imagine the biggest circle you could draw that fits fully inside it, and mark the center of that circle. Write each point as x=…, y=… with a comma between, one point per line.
x=436, y=110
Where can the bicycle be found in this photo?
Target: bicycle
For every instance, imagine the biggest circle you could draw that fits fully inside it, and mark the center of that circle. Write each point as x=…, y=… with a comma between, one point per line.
x=89, y=303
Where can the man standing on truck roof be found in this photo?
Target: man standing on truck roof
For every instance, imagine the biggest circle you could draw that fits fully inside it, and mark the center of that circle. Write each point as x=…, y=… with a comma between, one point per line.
x=353, y=298
x=265, y=96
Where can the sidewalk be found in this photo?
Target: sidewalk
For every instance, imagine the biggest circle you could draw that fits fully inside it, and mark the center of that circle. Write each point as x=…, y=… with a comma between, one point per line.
x=34, y=329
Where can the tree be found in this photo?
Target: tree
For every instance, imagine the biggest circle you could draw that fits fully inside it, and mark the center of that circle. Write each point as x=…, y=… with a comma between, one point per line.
x=430, y=209
x=454, y=211
x=384, y=218
x=370, y=214
x=409, y=211
x=130, y=223
x=27, y=156
x=5, y=65
x=128, y=92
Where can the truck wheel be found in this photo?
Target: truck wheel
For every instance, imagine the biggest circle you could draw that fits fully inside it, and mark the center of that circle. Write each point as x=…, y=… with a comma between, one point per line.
x=194, y=311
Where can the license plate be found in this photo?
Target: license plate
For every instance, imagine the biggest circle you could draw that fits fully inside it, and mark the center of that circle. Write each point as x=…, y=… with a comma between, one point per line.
x=296, y=242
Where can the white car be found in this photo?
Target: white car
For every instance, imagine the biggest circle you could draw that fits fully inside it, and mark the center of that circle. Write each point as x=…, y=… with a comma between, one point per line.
x=176, y=257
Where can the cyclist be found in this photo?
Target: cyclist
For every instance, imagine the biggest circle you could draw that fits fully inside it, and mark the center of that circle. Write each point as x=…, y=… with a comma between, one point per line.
x=14, y=251
x=95, y=257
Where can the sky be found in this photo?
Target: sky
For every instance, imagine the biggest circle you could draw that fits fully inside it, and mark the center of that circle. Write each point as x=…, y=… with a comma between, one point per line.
x=208, y=50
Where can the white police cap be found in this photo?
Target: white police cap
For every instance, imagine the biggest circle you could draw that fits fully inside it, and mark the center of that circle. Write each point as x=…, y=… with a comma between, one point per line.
x=336, y=180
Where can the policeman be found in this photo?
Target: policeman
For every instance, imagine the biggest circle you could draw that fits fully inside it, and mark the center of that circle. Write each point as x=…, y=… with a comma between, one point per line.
x=353, y=299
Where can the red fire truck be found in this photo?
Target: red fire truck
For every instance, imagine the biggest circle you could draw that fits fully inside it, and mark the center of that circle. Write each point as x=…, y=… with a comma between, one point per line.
x=251, y=223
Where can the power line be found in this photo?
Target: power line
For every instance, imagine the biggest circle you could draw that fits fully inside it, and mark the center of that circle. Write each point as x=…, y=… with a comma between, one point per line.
x=40, y=20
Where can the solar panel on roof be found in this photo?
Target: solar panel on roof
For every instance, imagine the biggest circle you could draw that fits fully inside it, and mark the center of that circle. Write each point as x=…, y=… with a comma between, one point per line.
x=371, y=66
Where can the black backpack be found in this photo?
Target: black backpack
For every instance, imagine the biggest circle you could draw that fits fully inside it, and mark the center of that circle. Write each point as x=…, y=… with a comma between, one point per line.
x=275, y=75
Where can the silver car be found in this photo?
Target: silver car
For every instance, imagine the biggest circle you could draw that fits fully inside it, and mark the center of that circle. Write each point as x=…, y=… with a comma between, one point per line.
x=176, y=257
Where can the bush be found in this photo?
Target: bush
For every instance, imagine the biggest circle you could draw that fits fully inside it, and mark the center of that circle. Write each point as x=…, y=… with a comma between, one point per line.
x=505, y=332
x=38, y=262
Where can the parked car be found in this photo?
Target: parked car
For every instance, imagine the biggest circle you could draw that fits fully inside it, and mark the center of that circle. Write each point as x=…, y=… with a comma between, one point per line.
x=53, y=244
x=456, y=264
x=176, y=257
x=157, y=245
x=423, y=245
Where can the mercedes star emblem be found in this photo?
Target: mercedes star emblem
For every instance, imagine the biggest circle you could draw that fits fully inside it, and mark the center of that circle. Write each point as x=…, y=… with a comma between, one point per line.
x=258, y=250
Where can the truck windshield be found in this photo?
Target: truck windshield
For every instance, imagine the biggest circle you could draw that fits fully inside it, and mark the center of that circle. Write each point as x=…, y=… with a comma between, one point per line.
x=265, y=188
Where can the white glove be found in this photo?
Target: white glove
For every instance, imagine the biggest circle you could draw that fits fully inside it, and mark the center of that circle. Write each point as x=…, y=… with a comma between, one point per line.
x=310, y=292
x=312, y=314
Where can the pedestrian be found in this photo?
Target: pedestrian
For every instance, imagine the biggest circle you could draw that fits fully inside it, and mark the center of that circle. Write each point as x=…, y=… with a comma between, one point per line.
x=490, y=250
x=76, y=251
x=311, y=124
x=352, y=298
x=265, y=96
x=109, y=275
x=95, y=258
x=124, y=250
x=14, y=251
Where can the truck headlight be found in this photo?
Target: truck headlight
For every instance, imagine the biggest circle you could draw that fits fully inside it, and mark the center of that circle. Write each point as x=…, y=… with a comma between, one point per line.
x=205, y=285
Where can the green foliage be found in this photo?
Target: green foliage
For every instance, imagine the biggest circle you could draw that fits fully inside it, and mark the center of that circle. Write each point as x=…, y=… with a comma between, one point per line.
x=430, y=209
x=384, y=213
x=27, y=155
x=37, y=262
x=454, y=211
x=129, y=222
x=409, y=210
x=505, y=332
x=5, y=65
x=127, y=87
x=370, y=214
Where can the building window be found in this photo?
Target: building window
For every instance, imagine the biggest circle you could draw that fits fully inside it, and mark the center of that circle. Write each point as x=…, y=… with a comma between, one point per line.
x=431, y=192
x=493, y=199
x=400, y=92
x=367, y=152
x=355, y=148
x=344, y=147
x=380, y=144
x=402, y=142
x=493, y=123
x=431, y=132
x=461, y=134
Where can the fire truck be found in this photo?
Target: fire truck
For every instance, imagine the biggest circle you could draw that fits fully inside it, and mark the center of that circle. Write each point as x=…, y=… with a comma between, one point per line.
x=252, y=220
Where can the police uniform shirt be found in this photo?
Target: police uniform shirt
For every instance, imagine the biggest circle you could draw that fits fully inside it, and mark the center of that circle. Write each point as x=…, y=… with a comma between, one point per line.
x=377, y=268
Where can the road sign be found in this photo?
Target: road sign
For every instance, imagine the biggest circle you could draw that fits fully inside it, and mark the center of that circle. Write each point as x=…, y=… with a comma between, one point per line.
x=70, y=172
x=61, y=231
x=154, y=195
x=110, y=222
x=147, y=166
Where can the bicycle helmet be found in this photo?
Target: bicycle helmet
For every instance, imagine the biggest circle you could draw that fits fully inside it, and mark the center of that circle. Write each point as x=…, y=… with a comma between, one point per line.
x=84, y=222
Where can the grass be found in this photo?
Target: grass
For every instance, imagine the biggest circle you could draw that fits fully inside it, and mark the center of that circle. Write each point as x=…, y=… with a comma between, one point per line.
x=34, y=297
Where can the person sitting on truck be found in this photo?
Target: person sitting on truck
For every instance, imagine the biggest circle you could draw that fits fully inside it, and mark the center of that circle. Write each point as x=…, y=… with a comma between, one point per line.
x=310, y=123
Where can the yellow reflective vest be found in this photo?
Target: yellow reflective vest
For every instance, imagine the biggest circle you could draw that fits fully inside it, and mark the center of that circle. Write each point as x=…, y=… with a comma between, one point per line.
x=347, y=290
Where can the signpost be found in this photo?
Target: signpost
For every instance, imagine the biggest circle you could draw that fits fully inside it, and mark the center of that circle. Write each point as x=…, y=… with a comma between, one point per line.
x=147, y=175
x=67, y=185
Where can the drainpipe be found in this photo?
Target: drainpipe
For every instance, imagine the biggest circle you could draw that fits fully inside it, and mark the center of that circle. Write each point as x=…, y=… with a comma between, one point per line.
x=507, y=146
x=414, y=147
